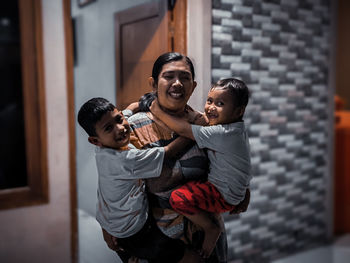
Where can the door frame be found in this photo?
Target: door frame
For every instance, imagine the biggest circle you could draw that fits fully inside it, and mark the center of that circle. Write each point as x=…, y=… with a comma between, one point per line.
x=36, y=191
x=199, y=23
x=68, y=34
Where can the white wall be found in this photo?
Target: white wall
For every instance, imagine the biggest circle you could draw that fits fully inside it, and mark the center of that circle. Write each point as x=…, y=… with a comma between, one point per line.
x=42, y=233
x=199, y=48
x=94, y=76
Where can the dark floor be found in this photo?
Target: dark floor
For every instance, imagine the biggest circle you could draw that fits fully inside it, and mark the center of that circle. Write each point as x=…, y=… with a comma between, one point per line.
x=92, y=248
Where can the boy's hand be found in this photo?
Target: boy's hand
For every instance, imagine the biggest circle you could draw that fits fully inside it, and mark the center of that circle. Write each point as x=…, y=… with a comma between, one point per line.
x=111, y=241
x=242, y=206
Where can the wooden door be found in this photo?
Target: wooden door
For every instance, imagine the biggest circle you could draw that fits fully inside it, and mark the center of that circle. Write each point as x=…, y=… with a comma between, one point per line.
x=142, y=33
x=342, y=52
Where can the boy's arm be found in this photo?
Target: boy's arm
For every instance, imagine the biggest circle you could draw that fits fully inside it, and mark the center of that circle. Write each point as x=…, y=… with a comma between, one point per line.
x=180, y=126
x=176, y=146
x=169, y=178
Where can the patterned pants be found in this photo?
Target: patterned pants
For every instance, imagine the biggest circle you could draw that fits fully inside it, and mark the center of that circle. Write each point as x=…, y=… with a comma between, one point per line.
x=195, y=196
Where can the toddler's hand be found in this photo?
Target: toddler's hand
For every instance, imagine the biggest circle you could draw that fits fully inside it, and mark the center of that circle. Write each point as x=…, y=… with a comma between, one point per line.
x=242, y=206
x=111, y=241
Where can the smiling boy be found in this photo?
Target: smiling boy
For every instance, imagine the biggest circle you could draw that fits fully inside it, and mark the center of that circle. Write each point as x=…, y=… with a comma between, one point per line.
x=122, y=204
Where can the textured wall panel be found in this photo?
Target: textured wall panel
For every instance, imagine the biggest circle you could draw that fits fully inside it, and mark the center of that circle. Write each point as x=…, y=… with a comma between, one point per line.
x=280, y=48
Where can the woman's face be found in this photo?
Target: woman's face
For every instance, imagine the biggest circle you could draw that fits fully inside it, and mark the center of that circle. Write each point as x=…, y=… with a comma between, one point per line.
x=175, y=86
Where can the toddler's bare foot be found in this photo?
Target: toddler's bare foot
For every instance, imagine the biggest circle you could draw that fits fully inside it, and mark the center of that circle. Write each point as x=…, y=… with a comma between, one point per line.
x=210, y=239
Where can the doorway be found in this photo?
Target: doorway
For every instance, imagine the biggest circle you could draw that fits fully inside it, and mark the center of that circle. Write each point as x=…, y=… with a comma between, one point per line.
x=142, y=33
x=94, y=74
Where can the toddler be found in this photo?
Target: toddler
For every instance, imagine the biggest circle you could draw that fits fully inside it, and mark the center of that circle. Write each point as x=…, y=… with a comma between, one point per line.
x=228, y=151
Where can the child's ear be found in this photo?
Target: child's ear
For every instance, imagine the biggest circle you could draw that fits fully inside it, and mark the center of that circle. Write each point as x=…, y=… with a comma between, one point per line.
x=94, y=140
x=194, y=85
x=241, y=111
x=151, y=83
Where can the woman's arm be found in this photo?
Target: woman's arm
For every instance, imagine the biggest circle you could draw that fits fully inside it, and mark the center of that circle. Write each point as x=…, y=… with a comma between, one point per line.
x=134, y=107
x=180, y=126
x=169, y=178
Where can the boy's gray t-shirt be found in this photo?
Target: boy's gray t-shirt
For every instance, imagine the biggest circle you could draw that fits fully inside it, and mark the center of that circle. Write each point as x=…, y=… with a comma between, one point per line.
x=122, y=204
x=229, y=155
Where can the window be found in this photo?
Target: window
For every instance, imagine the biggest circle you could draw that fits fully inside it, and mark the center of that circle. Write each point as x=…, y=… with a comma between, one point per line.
x=23, y=164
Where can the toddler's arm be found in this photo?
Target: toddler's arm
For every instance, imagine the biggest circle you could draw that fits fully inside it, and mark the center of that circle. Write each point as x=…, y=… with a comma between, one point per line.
x=180, y=126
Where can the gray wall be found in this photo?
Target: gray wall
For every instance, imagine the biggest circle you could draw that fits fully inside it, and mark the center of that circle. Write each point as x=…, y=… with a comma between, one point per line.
x=94, y=76
x=281, y=49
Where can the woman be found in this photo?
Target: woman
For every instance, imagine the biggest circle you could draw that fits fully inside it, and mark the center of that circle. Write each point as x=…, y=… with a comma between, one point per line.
x=173, y=83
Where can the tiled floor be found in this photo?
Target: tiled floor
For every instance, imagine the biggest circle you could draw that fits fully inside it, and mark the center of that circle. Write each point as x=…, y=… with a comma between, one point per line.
x=92, y=248
x=339, y=252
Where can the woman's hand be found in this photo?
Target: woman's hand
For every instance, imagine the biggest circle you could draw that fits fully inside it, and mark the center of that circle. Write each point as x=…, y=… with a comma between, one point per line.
x=134, y=107
x=242, y=206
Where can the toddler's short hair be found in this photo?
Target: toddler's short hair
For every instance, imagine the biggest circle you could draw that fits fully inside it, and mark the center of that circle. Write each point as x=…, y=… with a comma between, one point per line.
x=238, y=89
x=91, y=112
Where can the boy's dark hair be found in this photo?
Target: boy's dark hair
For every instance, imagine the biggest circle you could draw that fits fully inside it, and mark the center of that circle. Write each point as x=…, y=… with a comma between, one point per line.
x=91, y=112
x=238, y=89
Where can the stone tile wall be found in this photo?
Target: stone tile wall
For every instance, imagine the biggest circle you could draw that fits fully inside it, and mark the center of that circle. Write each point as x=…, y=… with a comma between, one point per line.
x=280, y=48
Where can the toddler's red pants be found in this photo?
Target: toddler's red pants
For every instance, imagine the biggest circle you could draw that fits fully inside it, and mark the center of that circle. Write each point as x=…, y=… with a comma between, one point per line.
x=195, y=196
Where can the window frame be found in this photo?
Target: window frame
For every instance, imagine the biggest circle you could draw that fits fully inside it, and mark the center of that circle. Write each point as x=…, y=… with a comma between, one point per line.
x=36, y=191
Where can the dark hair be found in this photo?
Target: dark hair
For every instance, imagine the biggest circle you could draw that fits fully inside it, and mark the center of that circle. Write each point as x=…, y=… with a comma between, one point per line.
x=238, y=89
x=91, y=112
x=167, y=58
x=146, y=100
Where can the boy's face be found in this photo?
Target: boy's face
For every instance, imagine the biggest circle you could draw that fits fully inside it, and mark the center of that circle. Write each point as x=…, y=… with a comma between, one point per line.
x=219, y=107
x=113, y=131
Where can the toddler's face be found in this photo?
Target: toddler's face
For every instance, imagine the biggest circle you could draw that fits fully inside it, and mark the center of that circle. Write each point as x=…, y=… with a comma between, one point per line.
x=219, y=108
x=113, y=130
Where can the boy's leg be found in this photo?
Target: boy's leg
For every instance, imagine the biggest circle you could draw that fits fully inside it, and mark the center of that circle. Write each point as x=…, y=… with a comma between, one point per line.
x=190, y=256
x=211, y=229
x=152, y=244
x=124, y=256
